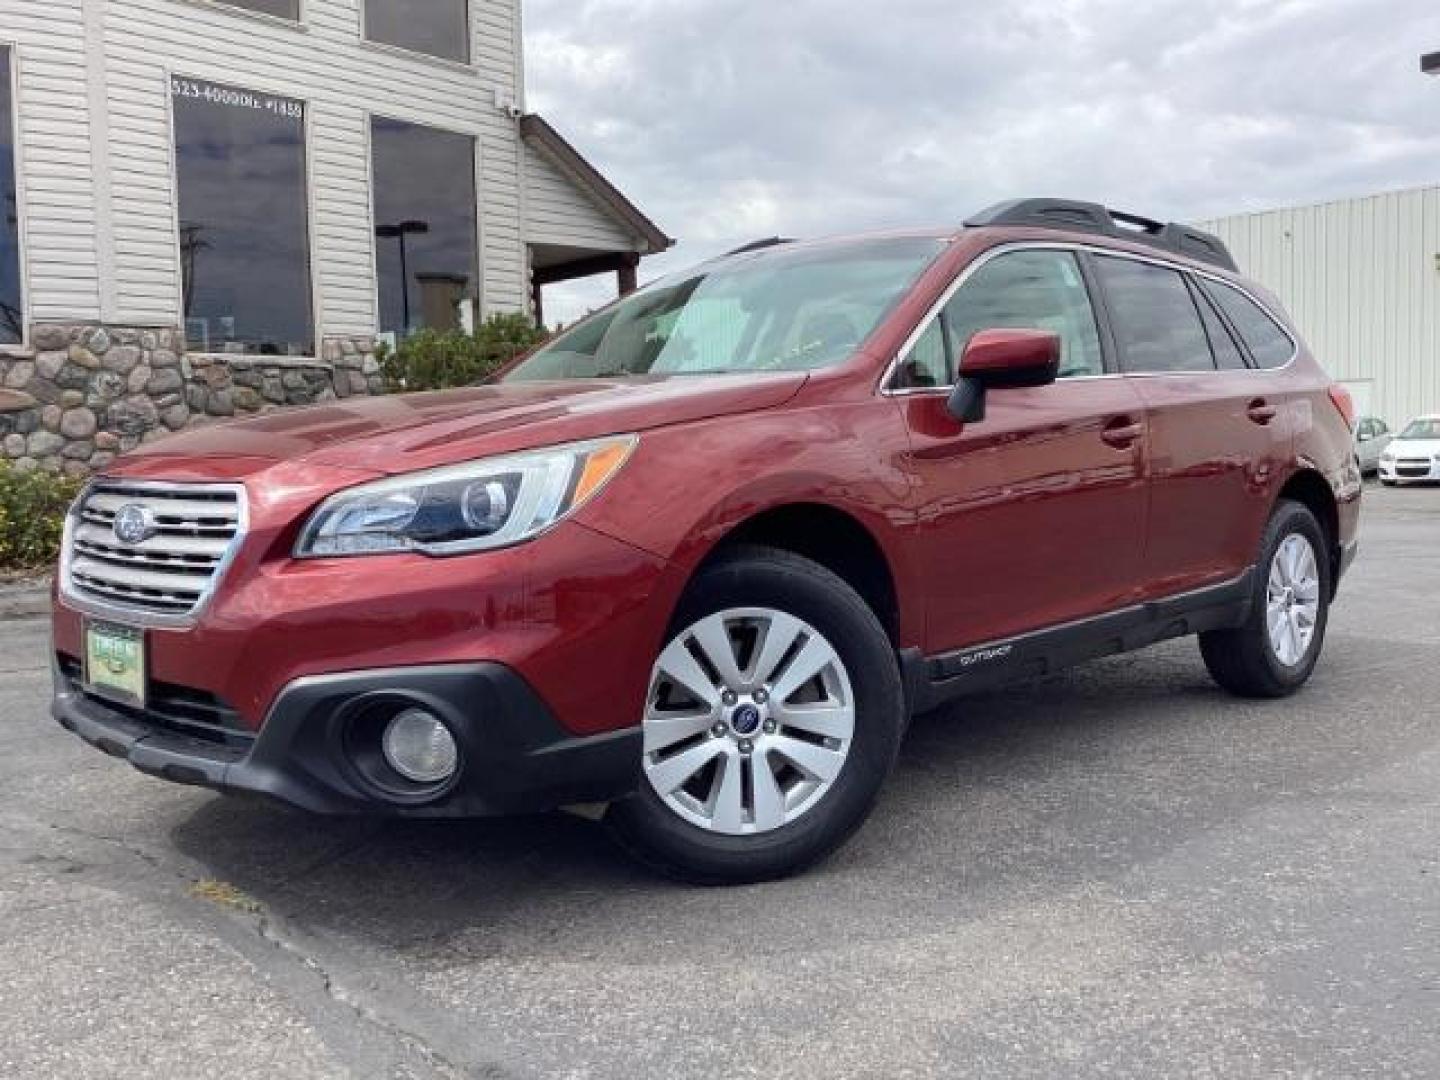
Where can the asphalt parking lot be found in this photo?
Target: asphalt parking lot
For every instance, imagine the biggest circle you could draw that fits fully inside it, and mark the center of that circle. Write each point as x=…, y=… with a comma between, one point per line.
x=1119, y=872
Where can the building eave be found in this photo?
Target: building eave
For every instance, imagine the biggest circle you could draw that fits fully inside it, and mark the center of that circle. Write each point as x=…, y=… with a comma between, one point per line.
x=537, y=133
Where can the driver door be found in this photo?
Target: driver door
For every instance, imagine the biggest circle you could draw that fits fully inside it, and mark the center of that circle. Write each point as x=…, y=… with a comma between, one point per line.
x=1035, y=515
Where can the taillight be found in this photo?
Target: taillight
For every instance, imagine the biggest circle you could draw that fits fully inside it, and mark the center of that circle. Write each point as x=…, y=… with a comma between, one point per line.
x=1344, y=404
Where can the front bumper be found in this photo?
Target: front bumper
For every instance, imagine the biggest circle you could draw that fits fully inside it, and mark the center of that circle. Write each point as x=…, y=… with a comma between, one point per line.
x=515, y=757
x=577, y=615
x=1401, y=469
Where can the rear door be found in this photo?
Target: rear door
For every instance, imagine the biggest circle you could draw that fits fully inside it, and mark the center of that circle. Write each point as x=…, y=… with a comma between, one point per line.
x=1218, y=441
x=1034, y=515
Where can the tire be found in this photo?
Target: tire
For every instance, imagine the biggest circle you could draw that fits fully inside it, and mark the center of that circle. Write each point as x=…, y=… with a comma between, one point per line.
x=1250, y=661
x=709, y=831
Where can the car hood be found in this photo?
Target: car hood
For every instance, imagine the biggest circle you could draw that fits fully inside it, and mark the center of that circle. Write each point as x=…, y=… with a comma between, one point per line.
x=405, y=432
x=1414, y=447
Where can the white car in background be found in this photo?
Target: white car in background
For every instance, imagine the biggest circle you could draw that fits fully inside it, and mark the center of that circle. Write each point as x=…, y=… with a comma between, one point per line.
x=1414, y=454
x=1371, y=439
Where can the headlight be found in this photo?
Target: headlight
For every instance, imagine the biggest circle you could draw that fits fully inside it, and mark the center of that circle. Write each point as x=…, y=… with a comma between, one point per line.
x=482, y=504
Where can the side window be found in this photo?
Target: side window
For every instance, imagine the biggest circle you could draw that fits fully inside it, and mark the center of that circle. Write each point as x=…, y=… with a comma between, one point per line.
x=1269, y=344
x=1029, y=290
x=928, y=363
x=1157, y=325
x=1228, y=356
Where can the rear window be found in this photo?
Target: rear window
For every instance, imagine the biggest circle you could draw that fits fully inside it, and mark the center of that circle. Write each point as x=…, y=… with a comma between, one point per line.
x=1157, y=326
x=1227, y=354
x=1268, y=342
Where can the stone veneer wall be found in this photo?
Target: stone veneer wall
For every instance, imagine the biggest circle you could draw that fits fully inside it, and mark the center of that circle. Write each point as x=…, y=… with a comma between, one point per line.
x=81, y=394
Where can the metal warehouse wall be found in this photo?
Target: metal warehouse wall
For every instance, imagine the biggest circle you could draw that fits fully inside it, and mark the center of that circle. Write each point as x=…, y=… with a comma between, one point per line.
x=1362, y=280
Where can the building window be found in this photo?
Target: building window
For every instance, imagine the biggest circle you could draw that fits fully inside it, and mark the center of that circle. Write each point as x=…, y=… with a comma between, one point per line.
x=425, y=227
x=244, y=226
x=281, y=9
x=434, y=27
x=12, y=307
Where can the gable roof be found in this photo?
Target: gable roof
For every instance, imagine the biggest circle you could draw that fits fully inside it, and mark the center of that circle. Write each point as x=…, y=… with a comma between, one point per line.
x=537, y=133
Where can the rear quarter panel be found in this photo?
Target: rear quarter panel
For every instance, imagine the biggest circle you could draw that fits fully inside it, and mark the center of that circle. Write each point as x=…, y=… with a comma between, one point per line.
x=1324, y=442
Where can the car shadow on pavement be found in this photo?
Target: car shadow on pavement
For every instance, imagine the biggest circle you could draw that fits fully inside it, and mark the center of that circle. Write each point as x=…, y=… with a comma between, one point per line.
x=1038, y=790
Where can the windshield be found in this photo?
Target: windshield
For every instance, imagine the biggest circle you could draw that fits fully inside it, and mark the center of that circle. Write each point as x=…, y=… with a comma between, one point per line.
x=780, y=309
x=1421, y=429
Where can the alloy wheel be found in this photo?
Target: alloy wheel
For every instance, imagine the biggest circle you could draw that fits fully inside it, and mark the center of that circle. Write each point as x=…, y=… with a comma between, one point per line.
x=1292, y=599
x=748, y=721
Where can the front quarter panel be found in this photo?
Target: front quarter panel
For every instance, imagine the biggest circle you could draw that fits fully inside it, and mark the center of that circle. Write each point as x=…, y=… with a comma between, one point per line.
x=687, y=487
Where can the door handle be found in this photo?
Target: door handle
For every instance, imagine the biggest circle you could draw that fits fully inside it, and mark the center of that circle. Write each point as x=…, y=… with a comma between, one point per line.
x=1261, y=411
x=1122, y=433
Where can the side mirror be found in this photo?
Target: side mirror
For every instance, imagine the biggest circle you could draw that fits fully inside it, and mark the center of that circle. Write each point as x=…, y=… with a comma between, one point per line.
x=1002, y=360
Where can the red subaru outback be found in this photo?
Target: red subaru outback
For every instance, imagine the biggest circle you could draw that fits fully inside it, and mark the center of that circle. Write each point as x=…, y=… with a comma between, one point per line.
x=699, y=559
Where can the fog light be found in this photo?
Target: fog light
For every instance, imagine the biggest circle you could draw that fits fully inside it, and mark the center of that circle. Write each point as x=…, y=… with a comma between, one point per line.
x=419, y=747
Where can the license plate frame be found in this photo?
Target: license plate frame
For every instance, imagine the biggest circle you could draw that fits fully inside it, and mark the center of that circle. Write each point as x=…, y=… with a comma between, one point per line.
x=115, y=662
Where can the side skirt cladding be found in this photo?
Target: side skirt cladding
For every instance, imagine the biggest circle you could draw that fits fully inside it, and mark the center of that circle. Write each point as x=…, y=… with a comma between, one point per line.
x=932, y=681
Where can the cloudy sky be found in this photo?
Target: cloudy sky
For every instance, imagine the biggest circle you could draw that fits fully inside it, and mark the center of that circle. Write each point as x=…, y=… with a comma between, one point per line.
x=728, y=120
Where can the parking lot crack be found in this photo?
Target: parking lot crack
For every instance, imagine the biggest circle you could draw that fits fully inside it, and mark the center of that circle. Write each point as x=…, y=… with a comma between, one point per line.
x=276, y=932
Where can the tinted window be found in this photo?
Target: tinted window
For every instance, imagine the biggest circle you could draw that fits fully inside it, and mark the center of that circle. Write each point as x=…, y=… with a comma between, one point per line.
x=436, y=27
x=1269, y=344
x=928, y=363
x=790, y=308
x=1029, y=290
x=1227, y=354
x=12, y=308
x=1157, y=326
x=425, y=227
x=244, y=249
x=285, y=9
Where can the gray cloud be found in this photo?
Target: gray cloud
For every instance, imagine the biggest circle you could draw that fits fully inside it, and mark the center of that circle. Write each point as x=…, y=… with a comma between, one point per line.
x=732, y=119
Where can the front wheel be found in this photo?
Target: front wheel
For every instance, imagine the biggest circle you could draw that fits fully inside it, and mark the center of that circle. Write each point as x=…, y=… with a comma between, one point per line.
x=773, y=716
x=1274, y=652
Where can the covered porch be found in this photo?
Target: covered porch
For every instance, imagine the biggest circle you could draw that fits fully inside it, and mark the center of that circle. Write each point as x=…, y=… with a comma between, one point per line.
x=577, y=223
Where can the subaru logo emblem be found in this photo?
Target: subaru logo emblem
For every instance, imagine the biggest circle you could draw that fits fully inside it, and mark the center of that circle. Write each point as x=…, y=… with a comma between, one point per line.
x=134, y=524
x=745, y=720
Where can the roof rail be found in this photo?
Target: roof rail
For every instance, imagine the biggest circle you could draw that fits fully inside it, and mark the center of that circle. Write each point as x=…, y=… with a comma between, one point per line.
x=760, y=245
x=1077, y=216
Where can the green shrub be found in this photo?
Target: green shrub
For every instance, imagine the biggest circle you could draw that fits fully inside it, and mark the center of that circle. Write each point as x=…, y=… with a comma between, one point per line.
x=33, y=503
x=431, y=360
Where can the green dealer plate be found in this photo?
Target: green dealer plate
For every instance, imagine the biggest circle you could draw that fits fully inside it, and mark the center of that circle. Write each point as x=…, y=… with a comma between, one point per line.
x=115, y=661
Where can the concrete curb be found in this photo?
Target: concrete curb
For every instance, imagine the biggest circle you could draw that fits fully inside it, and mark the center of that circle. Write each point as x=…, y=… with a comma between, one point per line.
x=25, y=599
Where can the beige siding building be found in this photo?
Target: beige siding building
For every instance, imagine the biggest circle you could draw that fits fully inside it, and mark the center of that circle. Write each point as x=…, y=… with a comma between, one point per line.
x=259, y=190
x=1361, y=277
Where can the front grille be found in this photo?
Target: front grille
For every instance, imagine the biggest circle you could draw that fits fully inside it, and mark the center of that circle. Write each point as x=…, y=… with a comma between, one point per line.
x=1414, y=472
x=175, y=709
x=166, y=575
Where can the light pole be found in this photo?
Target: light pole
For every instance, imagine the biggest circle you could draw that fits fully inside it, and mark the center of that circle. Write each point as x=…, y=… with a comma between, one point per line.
x=1430, y=63
x=399, y=232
